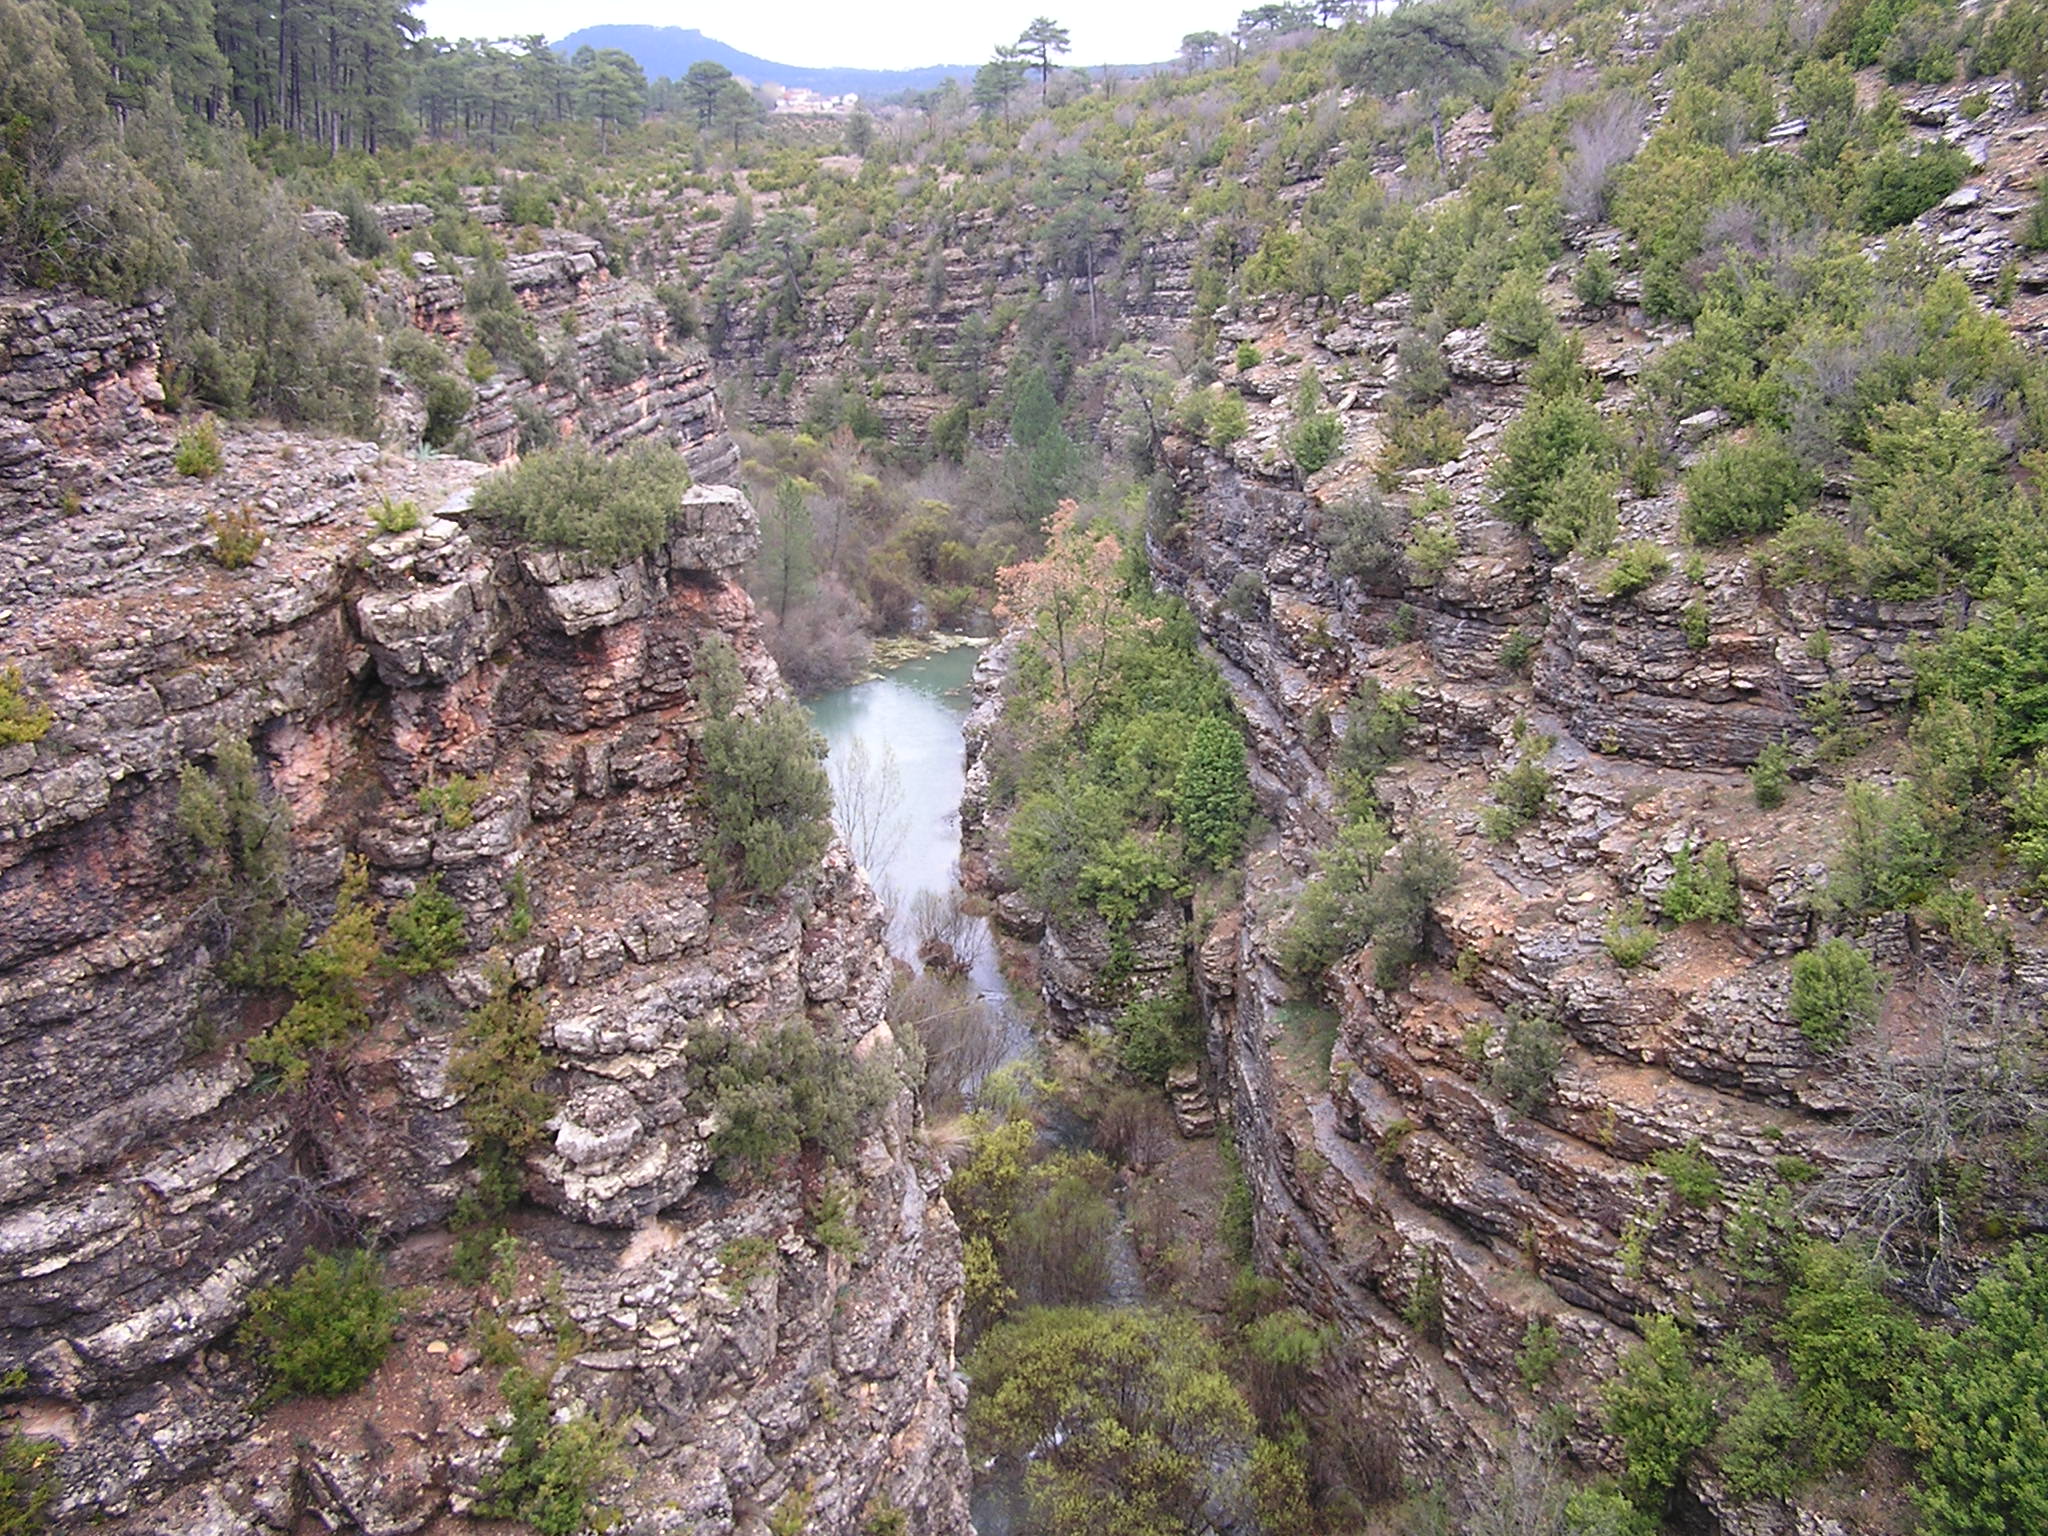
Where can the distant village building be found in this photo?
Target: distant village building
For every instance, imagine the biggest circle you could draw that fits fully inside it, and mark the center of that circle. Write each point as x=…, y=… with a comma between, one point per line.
x=799, y=100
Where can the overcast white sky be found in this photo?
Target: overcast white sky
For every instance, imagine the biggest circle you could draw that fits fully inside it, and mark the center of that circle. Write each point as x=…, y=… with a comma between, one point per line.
x=882, y=34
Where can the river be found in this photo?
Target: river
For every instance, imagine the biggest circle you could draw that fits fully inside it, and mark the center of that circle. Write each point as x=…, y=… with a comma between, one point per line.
x=898, y=765
x=905, y=727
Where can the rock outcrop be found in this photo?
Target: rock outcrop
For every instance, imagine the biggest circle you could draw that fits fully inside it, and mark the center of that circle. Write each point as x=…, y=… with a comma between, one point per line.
x=150, y=1180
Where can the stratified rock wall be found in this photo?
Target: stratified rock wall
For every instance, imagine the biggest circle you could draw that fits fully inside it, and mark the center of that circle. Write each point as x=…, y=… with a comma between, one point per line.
x=1396, y=1189
x=148, y=1181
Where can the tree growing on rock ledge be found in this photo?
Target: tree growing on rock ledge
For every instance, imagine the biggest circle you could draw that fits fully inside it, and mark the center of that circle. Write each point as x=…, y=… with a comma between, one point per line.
x=764, y=781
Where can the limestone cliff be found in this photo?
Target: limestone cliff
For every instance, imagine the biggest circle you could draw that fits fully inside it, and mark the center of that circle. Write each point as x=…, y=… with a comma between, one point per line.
x=1398, y=1191
x=150, y=1181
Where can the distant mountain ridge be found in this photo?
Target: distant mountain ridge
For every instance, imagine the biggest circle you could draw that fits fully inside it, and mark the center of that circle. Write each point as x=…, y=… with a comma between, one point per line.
x=672, y=50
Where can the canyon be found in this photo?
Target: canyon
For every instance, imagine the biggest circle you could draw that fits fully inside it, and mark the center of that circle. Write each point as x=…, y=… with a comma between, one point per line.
x=150, y=1183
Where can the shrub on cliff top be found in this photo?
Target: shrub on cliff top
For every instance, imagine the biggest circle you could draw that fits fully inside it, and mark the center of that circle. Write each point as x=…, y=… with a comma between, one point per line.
x=616, y=508
x=774, y=1097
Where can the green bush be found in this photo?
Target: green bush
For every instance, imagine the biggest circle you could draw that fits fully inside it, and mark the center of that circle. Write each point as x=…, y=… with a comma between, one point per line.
x=1593, y=284
x=1361, y=897
x=548, y=1473
x=1850, y=1349
x=1518, y=322
x=263, y=317
x=498, y=321
x=329, y=981
x=680, y=309
x=22, y=718
x=1419, y=439
x=1537, y=449
x=238, y=537
x=1375, y=732
x=1578, y=508
x=1247, y=357
x=238, y=841
x=1890, y=855
x=1521, y=794
x=1693, y=1177
x=1314, y=444
x=498, y=1068
x=2027, y=804
x=1702, y=887
x=415, y=354
x=1745, y=488
x=395, y=516
x=771, y=1098
x=198, y=453
x=453, y=801
x=1770, y=777
x=764, y=781
x=327, y=1329
x=1660, y=1411
x=427, y=929
x=1834, y=991
x=1158, y=1034
x=1695, y=622
x=1542, y=1347
x=1212, y=793
x=448, y=400
x=1631, y=938
x=1531, y=1053
x=1363, y=535
x=1933, y=506
x=365, y=237
x=1518, y=650
x=615, y=508
x=1637, y=568
x=1758, y=1430
x=1088, y=1410
x=1433, y=547
x=1227, y=420
x=73, y=206
x=1978, y=1413
x=28, y=1480
x=1898, y=186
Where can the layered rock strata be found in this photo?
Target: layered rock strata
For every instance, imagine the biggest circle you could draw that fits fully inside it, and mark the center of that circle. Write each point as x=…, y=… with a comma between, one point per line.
x=151, y=1181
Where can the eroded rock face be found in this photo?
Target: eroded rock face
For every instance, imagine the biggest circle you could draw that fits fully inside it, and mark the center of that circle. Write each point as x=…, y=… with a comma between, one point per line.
x=1401, y=1192
x=148, y=1182
x=72, y=369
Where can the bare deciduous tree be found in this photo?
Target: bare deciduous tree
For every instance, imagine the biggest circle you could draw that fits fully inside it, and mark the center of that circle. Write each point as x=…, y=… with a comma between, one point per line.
x=942, y=929
x=867, y=802
x=1931, y=1119
x=961, y=1036
x=1601, y=142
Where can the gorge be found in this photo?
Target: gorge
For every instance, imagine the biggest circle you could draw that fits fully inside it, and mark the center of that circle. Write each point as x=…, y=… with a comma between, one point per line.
x=1501, y=759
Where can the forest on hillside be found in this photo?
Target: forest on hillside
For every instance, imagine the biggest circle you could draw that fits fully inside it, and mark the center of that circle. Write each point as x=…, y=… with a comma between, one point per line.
x=981, y=340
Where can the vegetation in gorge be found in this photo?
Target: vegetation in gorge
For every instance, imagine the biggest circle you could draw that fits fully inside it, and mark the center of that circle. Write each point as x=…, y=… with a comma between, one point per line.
x=1189, y=1399
x=1122, y=754
x=764, y=785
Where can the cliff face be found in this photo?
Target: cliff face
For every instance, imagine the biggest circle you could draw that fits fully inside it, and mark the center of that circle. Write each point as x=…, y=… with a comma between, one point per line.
x=1399, y=1191
x=150, y=1183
